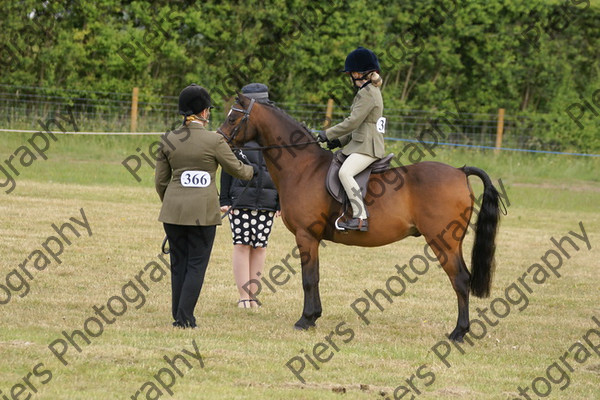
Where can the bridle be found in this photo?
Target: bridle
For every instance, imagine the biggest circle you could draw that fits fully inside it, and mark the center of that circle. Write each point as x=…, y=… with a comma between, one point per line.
x=239, y=126
x=244, y=120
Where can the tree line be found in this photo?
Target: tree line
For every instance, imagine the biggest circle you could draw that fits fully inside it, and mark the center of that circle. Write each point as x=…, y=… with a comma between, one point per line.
x=534, y=58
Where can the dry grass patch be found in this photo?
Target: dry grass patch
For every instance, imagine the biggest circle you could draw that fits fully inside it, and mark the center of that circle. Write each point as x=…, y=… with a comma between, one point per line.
x=245, y=353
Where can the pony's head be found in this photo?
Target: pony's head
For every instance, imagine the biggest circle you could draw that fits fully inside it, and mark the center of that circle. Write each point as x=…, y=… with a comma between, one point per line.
x=238, y=127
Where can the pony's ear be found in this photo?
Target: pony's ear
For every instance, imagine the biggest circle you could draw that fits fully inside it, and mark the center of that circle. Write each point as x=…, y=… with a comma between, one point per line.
x=243, y=100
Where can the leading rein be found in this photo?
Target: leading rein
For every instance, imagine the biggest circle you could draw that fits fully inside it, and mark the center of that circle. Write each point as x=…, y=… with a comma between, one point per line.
x=244, y=120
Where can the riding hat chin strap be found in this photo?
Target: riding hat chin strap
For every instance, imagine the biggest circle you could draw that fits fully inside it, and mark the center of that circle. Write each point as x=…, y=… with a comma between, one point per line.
x=362, y=78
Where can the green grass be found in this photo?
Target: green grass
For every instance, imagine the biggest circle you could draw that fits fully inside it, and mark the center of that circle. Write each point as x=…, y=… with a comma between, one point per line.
x=245, y=353
x=98, y=160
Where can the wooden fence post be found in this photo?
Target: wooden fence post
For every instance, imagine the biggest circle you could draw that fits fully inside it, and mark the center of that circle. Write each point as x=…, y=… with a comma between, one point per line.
x=499, y=130
x=328, y=114
x=134, y=109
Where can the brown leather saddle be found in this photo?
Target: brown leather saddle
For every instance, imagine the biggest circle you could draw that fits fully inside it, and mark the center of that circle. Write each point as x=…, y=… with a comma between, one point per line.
x=334, y=186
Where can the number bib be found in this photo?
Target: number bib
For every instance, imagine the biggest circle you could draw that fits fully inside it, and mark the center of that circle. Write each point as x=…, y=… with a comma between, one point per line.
x=381, y=124
x=199, y=179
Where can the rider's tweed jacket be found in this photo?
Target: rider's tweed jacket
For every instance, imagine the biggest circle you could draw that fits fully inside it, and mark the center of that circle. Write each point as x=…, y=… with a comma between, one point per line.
x=358, y=132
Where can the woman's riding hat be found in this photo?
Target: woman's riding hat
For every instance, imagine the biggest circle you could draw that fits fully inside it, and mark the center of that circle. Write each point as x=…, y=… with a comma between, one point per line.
x=193, y=99
x=361, y=60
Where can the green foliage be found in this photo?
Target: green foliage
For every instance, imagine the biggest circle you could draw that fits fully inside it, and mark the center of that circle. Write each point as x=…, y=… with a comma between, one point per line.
x=534, y=58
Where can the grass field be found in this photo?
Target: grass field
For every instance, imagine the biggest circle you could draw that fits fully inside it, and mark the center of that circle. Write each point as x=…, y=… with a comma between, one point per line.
x=244, y=353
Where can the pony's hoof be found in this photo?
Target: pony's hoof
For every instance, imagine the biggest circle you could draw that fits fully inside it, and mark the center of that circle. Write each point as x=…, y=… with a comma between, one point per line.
x=457, y=336
x=303, y=324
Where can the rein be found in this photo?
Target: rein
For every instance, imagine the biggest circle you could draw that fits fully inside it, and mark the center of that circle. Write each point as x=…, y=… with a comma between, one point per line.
x=238, y=127
x=275, y=146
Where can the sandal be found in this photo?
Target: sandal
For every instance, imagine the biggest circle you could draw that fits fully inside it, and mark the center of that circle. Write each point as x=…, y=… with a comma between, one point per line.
x=243, y=303
x=256, y=303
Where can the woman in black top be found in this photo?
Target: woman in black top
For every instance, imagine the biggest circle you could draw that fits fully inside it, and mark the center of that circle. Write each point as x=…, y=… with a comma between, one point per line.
x=252, y=217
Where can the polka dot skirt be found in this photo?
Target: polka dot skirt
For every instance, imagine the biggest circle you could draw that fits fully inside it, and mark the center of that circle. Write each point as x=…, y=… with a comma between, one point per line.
x=251, y=227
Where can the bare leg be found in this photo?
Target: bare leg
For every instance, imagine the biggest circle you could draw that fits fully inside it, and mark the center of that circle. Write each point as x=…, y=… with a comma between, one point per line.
x=257, y=262
x=241, y=268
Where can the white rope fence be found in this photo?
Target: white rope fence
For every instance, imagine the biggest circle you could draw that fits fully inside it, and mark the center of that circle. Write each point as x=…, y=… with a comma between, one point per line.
x=59, y=132
x=386, y=138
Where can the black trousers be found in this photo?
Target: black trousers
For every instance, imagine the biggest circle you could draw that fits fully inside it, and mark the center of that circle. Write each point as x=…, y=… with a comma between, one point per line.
x=190, y=248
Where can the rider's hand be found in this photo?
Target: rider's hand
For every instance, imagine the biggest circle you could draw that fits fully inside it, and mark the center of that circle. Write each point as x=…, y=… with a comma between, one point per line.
x=332, y=144
x=322, y=137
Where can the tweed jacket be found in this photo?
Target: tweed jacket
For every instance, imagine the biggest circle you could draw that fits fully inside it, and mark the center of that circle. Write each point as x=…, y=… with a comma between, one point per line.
x=186, y=165
x=358, y=132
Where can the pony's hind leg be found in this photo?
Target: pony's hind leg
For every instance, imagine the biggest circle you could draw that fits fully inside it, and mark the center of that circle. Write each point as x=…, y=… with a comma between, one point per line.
x=460, y=282
x=452, y=261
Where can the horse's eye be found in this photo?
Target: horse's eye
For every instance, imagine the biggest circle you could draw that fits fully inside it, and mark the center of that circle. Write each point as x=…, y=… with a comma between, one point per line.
x=231, y=120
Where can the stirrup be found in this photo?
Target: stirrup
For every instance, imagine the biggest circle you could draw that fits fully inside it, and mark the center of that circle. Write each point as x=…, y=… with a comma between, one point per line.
x=337, y=226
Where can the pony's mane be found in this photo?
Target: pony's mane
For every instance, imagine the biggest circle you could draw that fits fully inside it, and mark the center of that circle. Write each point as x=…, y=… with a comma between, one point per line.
x=289, y=118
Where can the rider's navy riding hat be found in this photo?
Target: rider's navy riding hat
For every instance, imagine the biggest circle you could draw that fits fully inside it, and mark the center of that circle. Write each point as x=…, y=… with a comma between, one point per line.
x=361, y=60
x=193, y=99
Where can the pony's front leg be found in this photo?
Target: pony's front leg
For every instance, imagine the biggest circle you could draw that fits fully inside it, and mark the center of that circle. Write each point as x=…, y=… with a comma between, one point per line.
x=309, y=257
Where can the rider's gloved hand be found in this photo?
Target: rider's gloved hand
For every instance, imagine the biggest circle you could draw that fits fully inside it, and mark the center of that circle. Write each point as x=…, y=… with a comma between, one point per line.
x=322, y=138
x=332, y=144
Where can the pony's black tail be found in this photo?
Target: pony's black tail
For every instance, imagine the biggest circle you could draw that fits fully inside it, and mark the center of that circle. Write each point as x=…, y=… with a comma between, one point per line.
x=482, y=261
